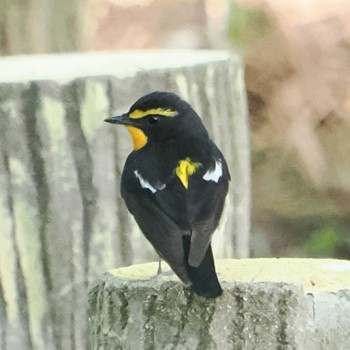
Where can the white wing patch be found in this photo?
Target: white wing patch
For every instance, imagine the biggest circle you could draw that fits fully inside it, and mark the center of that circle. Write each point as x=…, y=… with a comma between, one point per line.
x=145, y=184
x=215, y=174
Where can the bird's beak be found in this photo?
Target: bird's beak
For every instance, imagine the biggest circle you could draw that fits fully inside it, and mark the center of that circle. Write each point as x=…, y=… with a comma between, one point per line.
x=120, y=119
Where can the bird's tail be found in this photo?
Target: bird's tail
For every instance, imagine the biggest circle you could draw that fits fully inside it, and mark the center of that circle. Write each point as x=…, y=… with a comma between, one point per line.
x=204, y=279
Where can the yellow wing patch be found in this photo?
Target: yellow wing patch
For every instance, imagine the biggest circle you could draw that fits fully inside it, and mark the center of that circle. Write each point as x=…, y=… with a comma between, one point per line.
x=185, y=169
x=138, y=137
x=137, y=113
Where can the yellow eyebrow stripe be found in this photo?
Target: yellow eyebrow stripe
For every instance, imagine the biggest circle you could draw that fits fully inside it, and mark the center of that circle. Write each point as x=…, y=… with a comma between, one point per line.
x=137, y=113
x=185, y=169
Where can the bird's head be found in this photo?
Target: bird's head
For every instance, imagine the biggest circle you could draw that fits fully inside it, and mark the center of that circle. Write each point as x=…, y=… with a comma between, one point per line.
x=158, y=117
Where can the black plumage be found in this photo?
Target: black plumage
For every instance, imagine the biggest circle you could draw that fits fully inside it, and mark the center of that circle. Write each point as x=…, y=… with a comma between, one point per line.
x=174, y=183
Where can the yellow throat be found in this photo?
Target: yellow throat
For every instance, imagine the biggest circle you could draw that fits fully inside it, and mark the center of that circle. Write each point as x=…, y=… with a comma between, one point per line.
x=138, y=137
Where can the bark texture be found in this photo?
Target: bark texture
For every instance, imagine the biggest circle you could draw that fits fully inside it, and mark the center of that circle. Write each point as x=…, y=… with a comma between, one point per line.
x=267, y=304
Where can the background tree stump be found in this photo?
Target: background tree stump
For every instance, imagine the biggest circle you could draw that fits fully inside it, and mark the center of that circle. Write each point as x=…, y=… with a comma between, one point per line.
x=62, y=221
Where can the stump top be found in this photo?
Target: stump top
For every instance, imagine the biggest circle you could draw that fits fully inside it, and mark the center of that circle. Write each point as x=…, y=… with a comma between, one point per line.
x=313, y=274
x=123, y=64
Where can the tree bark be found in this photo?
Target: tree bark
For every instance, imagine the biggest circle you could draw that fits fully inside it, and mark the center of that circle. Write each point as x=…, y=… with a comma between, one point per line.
x=39, y=26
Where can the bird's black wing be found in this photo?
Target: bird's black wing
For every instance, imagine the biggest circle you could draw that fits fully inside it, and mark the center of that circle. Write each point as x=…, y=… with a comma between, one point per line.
x=205, y=203
x=159, y=228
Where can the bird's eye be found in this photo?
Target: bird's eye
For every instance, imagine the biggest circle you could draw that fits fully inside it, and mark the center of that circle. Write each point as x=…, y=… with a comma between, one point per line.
x=153, y=119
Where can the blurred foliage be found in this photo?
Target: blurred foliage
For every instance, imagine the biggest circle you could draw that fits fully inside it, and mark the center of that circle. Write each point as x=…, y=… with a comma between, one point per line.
x=294, y=228
x=245, y=25
x=330, y=240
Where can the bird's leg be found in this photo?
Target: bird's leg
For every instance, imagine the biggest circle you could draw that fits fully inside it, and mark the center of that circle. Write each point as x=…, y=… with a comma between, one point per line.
x=159, y=270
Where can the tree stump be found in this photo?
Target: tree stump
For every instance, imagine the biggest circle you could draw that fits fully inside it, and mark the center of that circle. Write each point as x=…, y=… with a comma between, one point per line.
x=62, y=220
x=267, y=304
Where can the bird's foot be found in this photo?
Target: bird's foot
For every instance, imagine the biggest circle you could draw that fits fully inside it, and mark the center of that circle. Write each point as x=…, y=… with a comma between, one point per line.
x=161, y=272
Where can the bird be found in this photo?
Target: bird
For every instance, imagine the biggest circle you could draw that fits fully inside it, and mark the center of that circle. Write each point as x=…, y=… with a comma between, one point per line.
x=174, y=183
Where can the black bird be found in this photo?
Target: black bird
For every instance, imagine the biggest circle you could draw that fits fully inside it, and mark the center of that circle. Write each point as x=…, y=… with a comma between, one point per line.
x=174, y=183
